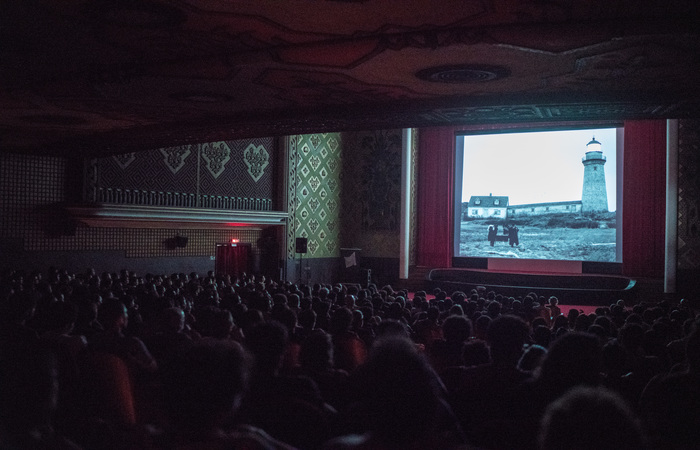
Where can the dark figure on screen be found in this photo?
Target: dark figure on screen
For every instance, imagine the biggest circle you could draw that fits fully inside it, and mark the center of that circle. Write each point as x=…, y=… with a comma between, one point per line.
x=513, y=235
x=492, y=234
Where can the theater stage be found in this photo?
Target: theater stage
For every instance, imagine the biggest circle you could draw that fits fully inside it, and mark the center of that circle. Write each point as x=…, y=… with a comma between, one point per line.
x=571, y=289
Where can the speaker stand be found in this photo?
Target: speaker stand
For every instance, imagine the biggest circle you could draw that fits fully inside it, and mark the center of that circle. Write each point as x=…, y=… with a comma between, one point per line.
x=301, y=267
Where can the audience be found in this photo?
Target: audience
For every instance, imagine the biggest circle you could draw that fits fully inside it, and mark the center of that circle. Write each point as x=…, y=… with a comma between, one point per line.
x=218, y=362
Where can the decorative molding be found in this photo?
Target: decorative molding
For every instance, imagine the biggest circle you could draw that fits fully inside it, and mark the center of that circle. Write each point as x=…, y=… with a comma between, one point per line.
x=127, y=216
x=541, y=112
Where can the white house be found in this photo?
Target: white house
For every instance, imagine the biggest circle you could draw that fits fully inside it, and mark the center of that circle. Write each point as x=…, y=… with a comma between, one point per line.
x=487, y=206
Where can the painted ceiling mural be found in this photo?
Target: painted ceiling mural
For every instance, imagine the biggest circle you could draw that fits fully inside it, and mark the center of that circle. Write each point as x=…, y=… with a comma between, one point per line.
x=105, y=77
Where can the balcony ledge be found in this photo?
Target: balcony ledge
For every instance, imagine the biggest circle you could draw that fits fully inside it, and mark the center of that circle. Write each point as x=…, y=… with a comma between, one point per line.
x=128, y=216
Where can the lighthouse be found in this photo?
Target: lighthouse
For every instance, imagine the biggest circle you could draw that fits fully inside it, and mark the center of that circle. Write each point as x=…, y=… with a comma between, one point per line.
x=595, y=195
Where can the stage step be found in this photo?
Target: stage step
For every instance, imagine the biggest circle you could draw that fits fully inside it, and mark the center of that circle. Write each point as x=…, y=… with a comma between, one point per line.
x=416, y=281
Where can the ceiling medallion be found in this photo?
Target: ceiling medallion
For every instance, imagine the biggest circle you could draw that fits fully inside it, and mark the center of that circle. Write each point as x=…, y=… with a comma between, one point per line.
x=463, y=73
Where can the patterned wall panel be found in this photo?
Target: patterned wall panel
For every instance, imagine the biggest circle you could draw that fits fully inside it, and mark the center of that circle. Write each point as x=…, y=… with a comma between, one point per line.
x=292, y=183
x=689, y=194
x=164, y=170
x=412, y=252
x=31, y=191
x=315, y=214
x=220, y=175
x=238, y=168
x=372, y=192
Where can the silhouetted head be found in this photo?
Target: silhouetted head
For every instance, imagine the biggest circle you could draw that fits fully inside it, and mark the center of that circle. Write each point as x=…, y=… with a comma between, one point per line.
x=398, y=392
x=609, y=422
x=317, y=351
x=573, y=359
x=62, y=316
x=285, y=316
x=457, y=328
x=204, y=384
x=391, y=327
x=307, y=318
x=267, y=342
x=113, y=314
x=172, y=320
x=532, y=358
x=341, y=321
x=475, y=353
x=433, y=313
x=506, y=336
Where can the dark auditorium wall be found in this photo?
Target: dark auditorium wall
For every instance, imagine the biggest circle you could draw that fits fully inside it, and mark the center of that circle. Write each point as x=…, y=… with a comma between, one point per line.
x=36, y=233
x=688, y=207
x=344, y=191
x=371, y=199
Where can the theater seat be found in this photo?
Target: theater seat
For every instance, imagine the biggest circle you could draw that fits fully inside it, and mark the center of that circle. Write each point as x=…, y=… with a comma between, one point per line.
x=109, y=388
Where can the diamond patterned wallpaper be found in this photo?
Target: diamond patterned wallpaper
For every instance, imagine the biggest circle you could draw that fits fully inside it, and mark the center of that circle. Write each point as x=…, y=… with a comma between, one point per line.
x=315, y=161
x=689, y=194
x=412, y=258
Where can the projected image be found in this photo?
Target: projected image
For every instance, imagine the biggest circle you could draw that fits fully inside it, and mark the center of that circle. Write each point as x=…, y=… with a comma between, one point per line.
x=540, y=195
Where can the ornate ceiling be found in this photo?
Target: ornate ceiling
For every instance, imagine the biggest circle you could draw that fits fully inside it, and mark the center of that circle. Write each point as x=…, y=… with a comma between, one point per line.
x=95, y=77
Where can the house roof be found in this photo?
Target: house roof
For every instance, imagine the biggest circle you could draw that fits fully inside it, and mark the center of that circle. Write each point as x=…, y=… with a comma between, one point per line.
x=488, y=201
x=532, y=205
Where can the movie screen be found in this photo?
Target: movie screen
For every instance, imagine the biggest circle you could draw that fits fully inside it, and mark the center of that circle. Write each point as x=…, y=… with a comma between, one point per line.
x=538, y=195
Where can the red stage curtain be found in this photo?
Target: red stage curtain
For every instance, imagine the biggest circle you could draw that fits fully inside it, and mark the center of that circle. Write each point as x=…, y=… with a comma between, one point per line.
x=436, y=156
x=644, y=199
x=232, y=259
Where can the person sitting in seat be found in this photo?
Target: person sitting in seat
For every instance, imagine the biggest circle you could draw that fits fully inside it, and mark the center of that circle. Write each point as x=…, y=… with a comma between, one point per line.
x=610, y=422
x=115, y=318
x=203, y=387
x=398, y=402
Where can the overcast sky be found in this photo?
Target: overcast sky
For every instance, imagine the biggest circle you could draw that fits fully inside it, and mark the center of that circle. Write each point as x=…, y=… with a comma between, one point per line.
x=534, y=167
